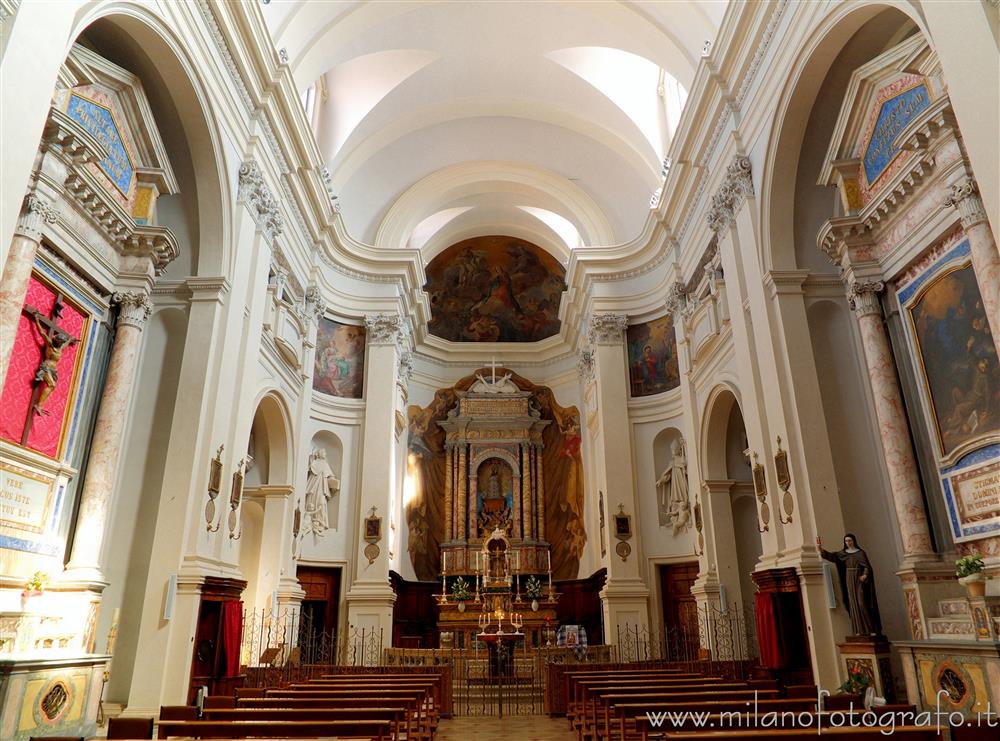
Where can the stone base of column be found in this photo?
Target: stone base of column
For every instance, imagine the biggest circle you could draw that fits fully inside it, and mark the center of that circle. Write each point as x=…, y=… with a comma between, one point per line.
x=369, y=623
x=824, y=626
x=872, y=657
x=290, y=593
x=625, y=604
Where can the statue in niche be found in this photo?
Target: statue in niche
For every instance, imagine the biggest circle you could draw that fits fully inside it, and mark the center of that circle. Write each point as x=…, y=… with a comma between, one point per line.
x=672, y=492
x=857, y=584
x=321, y=485
x=494, y=509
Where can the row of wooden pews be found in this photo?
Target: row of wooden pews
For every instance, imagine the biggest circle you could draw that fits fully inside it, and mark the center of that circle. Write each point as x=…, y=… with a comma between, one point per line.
x=642, y=704
x=381, y=707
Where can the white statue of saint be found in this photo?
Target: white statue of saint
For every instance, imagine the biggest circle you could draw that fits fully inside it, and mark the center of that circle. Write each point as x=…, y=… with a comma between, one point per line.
x=321, y=485
x=672, y=492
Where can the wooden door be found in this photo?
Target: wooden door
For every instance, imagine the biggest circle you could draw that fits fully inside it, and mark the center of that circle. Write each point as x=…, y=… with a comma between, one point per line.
x=680, y=615
x=320, y=613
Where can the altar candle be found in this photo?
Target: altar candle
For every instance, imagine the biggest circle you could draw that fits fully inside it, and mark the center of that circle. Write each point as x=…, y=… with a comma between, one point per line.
x=548, y=561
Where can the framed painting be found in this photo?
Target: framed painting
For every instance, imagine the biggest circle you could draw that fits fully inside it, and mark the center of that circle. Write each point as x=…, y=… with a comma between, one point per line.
x=652, y=357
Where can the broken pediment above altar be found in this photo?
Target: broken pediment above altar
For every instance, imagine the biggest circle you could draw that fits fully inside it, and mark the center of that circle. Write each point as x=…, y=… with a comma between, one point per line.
x=884, y=99
x=104, y=157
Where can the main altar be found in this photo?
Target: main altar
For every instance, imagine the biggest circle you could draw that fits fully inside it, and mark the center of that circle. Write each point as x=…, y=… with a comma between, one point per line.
x=496, y=566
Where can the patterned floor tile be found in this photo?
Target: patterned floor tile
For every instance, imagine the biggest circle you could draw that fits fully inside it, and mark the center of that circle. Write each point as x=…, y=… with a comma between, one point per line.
x=515, y=728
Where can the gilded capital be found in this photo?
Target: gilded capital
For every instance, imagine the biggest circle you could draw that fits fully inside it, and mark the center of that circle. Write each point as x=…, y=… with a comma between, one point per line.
x=134, y=308
x=863, y=297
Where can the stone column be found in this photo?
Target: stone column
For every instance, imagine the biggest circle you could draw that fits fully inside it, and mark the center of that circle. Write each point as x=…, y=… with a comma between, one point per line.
x=625, y=597
x=35, y=214
x=370, y=597
x=528, y=491
x=449, y=495
x=516, y=530
x=108, y=439
x=463, y=498
x=540, y=486
x=892, y=423
x=985, y=258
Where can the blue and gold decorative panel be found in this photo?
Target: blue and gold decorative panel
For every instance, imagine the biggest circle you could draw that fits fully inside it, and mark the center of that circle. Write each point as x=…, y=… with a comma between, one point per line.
x=895, y=115
x=100, y=123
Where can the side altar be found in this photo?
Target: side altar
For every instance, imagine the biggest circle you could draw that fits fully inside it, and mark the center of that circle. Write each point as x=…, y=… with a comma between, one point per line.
x=496, y=564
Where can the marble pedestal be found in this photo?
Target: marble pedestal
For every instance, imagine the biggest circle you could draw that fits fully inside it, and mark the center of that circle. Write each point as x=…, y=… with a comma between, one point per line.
x=873, y=656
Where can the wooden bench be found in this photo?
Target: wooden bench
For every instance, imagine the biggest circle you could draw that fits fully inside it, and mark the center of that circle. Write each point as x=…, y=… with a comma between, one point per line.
x=377, y=730
x=574, y=682
x=420, y=724
x=907, y=733
x=396, y=715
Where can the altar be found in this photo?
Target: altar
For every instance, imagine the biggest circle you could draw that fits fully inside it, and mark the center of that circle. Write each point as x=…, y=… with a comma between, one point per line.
x=495, y=562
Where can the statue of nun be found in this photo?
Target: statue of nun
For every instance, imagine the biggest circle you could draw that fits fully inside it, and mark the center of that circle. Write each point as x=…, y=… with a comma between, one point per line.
x=672, y=488
x=857, y=584
x=321, y=484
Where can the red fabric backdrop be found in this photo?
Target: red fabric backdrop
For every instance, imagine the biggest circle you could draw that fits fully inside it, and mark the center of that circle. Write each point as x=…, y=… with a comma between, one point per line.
x=772, y=654
x=232, y=635
x=24, y=359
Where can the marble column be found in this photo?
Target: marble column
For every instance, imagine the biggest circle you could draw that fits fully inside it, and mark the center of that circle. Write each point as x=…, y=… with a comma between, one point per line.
x=108, y=439
x=516, y=531
x=463, y=516
x=527, y=478
x=449, y=496
x=540, y=487
x=892, y=423
x=35, y=215
x=985, y=257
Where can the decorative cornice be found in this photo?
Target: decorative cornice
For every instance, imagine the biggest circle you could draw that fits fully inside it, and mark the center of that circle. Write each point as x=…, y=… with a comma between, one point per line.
x=36, y=214
x=736, y=186
x=155, y=242
x=254, y=191
x=965, y=197
x=607, y=329
x=134, y=308
x=586, y=363
x=223, y=48
x=863, y=297
x=384, y=329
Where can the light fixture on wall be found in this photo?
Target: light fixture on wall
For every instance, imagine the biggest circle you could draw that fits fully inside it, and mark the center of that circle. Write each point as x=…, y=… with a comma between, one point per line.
x=214, y=487
x=784, y=482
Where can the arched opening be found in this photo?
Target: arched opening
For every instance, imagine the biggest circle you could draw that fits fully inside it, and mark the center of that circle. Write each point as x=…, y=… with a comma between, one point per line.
x=668, y=449
x=332, y=450
x=729, y=497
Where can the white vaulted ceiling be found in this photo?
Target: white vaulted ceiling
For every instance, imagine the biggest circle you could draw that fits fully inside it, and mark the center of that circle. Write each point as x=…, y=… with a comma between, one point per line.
x=445, y=120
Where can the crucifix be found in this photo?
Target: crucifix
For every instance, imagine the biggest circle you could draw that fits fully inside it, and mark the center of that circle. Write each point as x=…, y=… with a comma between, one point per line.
x=56, y=340
x=493, y=366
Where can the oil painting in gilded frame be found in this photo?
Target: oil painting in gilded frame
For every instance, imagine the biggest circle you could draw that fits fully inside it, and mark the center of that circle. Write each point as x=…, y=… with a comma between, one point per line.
x=955, y=355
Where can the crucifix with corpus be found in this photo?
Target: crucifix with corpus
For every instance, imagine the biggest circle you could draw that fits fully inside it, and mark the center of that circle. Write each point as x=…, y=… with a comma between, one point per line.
x=56, y=340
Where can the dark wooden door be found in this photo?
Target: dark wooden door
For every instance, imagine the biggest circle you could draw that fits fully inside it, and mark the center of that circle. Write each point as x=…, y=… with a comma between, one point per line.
x=680, y=615
x=320, y=612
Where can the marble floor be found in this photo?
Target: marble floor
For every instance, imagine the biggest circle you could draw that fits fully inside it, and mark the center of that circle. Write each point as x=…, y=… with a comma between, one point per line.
x=515, y=728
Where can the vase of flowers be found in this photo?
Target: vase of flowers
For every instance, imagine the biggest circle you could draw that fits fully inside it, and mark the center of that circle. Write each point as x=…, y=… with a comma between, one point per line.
x=857, y=682
x=533, y=589
x=969, y=570
x=460, y=592
x=33, y=588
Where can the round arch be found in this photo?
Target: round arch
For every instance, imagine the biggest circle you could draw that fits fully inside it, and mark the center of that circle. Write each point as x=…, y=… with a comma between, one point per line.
x=792, y=116
x=186, y=89
x=714, y=431
x=271, y=430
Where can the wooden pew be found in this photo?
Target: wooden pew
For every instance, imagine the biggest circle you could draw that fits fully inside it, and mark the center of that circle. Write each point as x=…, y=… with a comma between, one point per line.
x=574, y=680
x=377, y=730
x=905, y=733
x=419, y=724
x=396, y=715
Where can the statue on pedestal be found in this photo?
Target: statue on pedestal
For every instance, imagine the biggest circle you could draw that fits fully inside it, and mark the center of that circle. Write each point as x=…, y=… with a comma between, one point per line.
x=672, y=492
x=321, y=485
x=857, y=585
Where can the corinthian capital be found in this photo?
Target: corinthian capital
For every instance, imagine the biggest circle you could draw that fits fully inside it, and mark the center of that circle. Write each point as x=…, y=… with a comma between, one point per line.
x=676, y=297
x=133, y=308
x=384, y=329
x=607, y=329
x=263, y=205
x=863, y=297
x=585, y=364
x=965, y=197
x=36, y=213
x=736, y=186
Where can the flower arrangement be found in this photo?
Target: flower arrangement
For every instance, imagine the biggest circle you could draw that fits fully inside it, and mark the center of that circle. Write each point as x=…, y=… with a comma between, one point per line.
x=460, y=590
x=969, y=566
x=36, y=584
x=856, y=683
x=533, y=587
